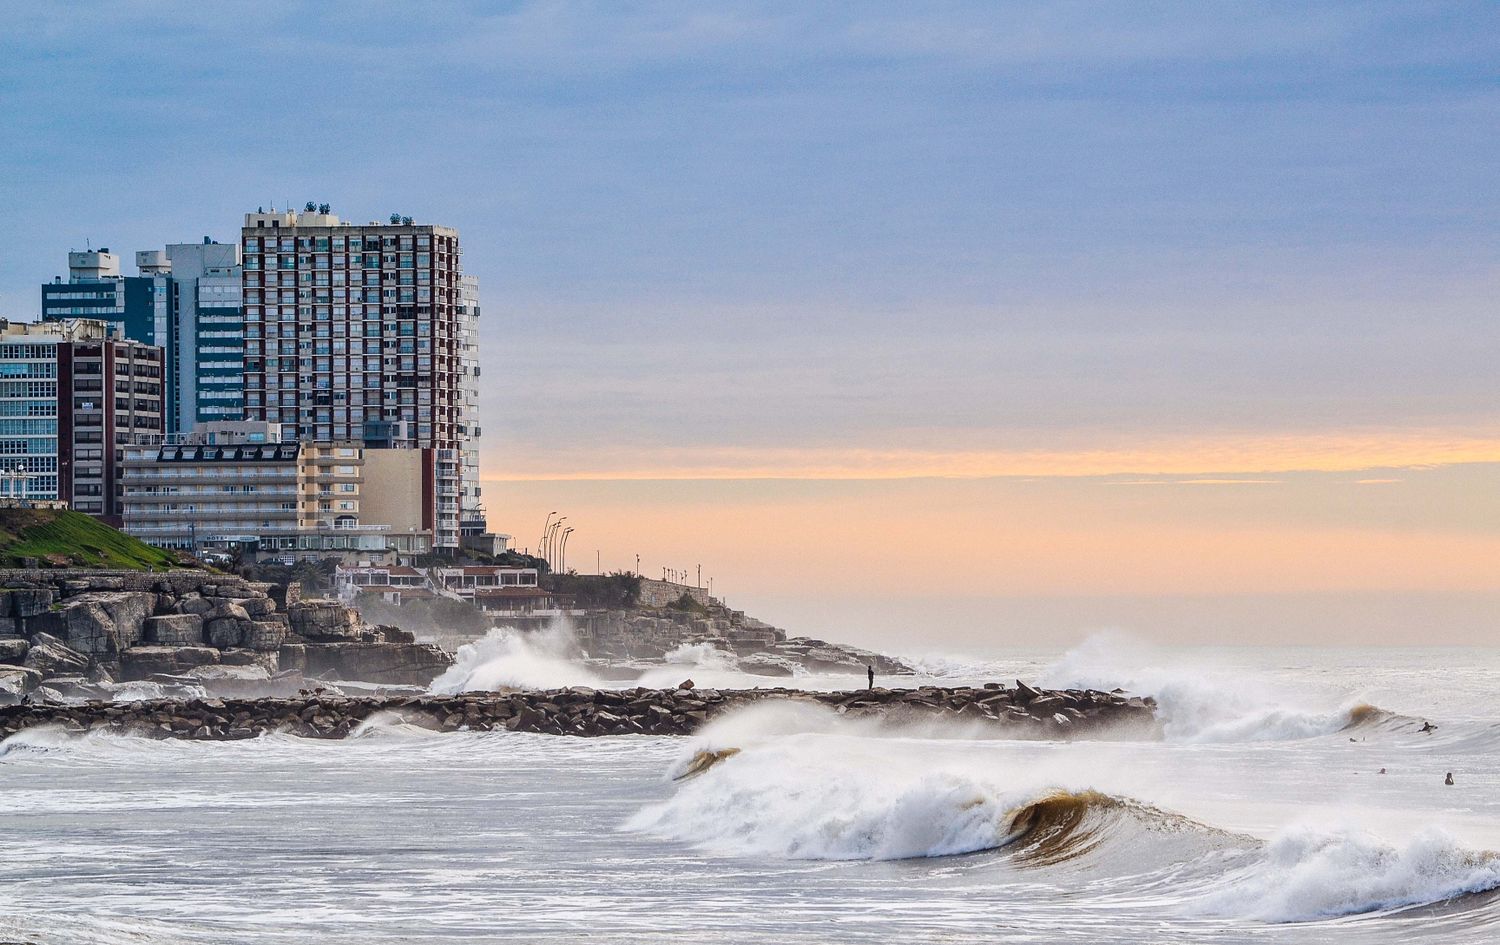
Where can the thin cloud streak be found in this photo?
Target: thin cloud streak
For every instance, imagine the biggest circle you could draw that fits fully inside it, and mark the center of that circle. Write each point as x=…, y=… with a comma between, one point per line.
x=1206, y=461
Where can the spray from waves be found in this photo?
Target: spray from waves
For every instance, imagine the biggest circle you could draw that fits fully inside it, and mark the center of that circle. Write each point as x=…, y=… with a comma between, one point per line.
x=1307, y=873
x=702, y=656
x=37, y=739
x=392, y=723
x=551, y=659
x=1200, y=702
x=511, y=659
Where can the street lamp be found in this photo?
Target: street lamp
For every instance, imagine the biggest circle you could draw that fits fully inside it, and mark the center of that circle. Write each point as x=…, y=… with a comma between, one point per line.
x=563, y=551
x=541, y=545
x=550, y=553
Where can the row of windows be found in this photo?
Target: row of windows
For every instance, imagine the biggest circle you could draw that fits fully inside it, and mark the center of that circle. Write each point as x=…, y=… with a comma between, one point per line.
x=22, y=352
x=30, y=462
x=28, y=408
x=28, y=368
x=21, y=446
x=28, y=389
x=338, y=328
x=288, y=244
x=45, y=427
x=324, y=261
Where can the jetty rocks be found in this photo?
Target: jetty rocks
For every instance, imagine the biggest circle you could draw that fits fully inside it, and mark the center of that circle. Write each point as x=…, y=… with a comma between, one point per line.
x=1020, y=711
x=75, y=633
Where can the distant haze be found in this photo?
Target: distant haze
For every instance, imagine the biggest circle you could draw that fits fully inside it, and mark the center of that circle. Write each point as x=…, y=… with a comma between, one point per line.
x=966, y=324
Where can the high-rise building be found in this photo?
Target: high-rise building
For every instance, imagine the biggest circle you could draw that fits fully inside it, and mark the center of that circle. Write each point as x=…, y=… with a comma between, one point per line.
x=139, y=306
x=72, y=394
x=186, y=300
x=208, y=334
x=472, y=519
x=366, y=333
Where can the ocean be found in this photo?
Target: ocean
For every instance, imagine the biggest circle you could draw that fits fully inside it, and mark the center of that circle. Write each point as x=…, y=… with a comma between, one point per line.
x=1261, y=815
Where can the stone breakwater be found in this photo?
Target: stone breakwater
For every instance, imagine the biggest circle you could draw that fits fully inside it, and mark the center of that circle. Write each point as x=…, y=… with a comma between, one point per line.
x=1015, y=711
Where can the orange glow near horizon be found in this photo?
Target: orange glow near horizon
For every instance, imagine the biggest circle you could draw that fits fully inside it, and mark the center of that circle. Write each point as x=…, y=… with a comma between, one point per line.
x=1203, y=458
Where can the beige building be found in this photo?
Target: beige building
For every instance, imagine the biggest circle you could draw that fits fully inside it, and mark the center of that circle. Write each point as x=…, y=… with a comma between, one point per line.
x=395, y=496
x=237, y=486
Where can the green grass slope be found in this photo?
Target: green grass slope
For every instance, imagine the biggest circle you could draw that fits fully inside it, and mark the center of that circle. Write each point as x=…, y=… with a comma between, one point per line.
x=64, y=538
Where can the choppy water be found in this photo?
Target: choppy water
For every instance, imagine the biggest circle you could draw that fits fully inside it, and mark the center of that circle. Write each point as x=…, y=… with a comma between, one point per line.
x=1257, y=819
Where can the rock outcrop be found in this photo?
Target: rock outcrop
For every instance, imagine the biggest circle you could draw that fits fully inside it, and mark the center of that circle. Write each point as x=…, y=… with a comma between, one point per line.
x=585, y=711
x=102, y=627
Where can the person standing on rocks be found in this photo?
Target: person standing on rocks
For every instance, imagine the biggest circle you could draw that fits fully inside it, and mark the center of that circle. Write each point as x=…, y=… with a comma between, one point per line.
x=870, y=671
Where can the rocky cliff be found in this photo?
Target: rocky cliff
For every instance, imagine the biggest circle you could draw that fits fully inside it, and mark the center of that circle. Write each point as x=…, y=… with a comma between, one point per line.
x=86, y=634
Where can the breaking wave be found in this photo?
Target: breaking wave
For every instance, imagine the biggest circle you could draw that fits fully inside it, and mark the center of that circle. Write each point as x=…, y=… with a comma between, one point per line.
x=1307, y=873
x=1200, y=702
x=766, y=786
x=511, y=659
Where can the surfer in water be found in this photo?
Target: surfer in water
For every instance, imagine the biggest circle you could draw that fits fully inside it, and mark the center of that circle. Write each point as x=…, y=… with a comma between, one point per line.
x=1449, y=779
x=1428, y=726
x=870, y=671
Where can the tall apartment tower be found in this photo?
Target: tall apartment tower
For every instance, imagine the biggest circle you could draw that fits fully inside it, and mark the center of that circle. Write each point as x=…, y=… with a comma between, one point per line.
x=139, y=306
x=75, y=393
x=208, y=334
x=186, y=300
x=364, y=333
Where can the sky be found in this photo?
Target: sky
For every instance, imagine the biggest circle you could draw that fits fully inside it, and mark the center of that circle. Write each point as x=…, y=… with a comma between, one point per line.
x=946, y=325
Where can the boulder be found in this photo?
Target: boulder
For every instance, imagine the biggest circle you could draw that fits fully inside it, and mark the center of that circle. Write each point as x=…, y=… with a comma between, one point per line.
x=258, y=607
x=414, y=664
x=142, y=662
x=100, y=624
x=26, y=601
x=52, y=657
x=242, y=656
x=226, y=625
x=242, y=681
x=13, y=649
x=194, y=604
x=175, y=630
x=763, y=664
x=293, y=656
x=324, y=620
x=285, y=595
x=78, y=689
x=16, y=682
x=265, y=636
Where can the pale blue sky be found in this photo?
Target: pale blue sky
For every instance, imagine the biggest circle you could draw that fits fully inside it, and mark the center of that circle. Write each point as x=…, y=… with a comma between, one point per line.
x=894, y=239
x=796, y=224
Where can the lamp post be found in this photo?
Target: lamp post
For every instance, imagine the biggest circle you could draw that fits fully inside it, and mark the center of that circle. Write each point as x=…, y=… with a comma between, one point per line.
x=562, y=555
x=552, y=542
x=542, y=545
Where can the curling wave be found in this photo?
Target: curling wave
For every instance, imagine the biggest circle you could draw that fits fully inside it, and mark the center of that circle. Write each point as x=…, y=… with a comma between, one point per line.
x=817, y=796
